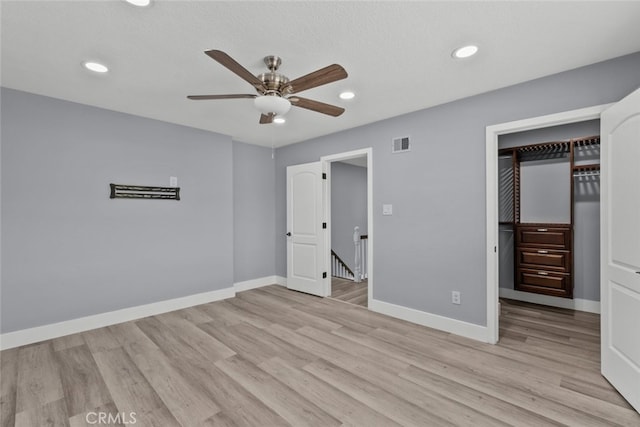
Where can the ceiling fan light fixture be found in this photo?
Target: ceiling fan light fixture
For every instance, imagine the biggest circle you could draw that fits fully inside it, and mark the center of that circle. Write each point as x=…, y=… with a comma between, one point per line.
x=465, y=51
x=272, y=104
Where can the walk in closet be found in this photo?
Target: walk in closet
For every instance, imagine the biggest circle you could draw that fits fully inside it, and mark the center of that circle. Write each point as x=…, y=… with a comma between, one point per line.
x=549, y=216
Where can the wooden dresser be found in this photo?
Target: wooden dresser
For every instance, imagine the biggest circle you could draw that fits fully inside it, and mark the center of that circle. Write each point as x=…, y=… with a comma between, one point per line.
x=544, y=259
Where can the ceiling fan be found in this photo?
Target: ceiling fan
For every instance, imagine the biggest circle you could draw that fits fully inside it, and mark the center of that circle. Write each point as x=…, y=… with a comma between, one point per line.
x=276, y=93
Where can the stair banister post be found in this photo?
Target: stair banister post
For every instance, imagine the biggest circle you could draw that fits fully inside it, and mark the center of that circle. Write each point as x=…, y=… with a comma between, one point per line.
x=358, y=262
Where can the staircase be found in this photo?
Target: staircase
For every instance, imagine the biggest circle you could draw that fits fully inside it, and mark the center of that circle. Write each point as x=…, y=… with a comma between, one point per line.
x=340, y=269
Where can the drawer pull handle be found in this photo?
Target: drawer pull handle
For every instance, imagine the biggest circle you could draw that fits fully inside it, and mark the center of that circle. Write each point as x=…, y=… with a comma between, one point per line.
x=542, y=229
x=543, y=273
x=543, y=252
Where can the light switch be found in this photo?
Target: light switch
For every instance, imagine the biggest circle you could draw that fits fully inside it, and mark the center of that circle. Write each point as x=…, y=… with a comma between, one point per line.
x=173, y=181
x=387, y=209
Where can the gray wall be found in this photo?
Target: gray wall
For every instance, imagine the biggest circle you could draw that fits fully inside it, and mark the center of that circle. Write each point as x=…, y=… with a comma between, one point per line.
x=253, y=212
x=586, y=205
x=68, y=250
x=348, y=208
x=586, y=239
x=545, y=191
x=435, y=240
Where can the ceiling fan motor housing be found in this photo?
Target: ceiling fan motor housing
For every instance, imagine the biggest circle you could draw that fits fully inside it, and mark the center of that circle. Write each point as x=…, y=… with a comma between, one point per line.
x=274, y=82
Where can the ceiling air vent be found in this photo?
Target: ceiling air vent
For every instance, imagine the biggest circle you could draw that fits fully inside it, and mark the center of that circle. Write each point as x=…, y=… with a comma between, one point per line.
x=400, y=145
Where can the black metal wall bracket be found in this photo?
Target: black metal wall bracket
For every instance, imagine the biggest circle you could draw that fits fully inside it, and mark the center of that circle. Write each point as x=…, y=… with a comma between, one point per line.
x=119, y=191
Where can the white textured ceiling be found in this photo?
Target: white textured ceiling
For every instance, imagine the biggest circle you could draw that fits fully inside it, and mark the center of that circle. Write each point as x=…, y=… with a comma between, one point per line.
x=397, y=54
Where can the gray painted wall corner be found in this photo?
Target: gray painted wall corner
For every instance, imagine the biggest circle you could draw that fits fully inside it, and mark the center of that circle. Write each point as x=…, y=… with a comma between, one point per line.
x=253, y=211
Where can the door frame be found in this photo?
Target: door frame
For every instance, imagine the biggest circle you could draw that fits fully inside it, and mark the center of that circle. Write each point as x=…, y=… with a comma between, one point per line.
x=492, y=192
x=326, y=168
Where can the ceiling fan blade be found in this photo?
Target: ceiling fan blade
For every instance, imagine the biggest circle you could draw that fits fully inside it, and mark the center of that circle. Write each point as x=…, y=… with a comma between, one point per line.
x=320, y=77
x=318, y=106
x=232, y=65
x=266, y=118
x=203, y=97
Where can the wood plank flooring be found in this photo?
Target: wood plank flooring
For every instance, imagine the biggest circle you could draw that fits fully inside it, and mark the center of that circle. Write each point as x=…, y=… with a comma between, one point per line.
x=273, y=357
x=349, y=291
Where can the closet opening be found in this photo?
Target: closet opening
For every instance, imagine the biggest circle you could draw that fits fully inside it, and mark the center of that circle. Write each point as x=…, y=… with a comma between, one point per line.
x=543, y=225
x=549, y=216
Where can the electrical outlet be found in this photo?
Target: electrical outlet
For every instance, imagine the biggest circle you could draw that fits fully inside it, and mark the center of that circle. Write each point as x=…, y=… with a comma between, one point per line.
x=173, y=181
x=455, y=297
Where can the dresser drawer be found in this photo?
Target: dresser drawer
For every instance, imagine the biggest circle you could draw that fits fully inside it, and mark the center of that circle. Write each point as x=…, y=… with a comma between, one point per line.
x=544, y=259
x=544, y=236
x=544, y=282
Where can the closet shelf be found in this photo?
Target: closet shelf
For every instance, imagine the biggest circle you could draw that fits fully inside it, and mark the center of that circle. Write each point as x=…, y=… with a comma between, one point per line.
x=554, y=148
x=587, y=141
x=587, y=168
x=546, y=148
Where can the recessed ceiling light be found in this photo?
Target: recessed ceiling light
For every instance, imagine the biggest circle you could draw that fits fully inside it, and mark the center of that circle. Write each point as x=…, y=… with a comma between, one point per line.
x=347, y=95
x=96, y=67
x=279, y=120
x=465, y=51
x=140, y=3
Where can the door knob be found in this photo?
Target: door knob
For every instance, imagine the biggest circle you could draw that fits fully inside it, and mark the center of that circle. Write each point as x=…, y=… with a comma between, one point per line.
x=289, y=234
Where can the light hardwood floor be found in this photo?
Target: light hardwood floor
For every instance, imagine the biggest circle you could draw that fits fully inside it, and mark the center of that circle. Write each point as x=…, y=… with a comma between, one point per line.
x=273, y=357
x=349, y=291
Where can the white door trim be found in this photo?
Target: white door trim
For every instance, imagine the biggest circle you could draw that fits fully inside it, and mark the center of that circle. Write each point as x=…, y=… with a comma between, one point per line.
x=492, y=133
x=326, y=160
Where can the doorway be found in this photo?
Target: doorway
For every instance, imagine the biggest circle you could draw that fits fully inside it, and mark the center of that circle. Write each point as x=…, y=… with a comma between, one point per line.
x=348, y=204
x=492, y=185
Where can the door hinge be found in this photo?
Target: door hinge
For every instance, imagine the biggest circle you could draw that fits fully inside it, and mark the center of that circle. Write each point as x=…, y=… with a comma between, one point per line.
x=324, y=225
x=324, y=275
x=495, y=249
x=324, y=175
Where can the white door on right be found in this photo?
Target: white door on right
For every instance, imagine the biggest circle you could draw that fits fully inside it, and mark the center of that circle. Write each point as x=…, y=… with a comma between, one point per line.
x=620, y=247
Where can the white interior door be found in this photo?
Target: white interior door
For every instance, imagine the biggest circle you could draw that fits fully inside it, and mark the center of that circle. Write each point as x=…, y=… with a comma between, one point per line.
x=620, y=247
x=305, y=234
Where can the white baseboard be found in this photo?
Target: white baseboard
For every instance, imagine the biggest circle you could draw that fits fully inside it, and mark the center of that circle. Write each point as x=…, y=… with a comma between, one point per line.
x=458, y=327
x=67, y=327
x=255, y=283
x=573, y=304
